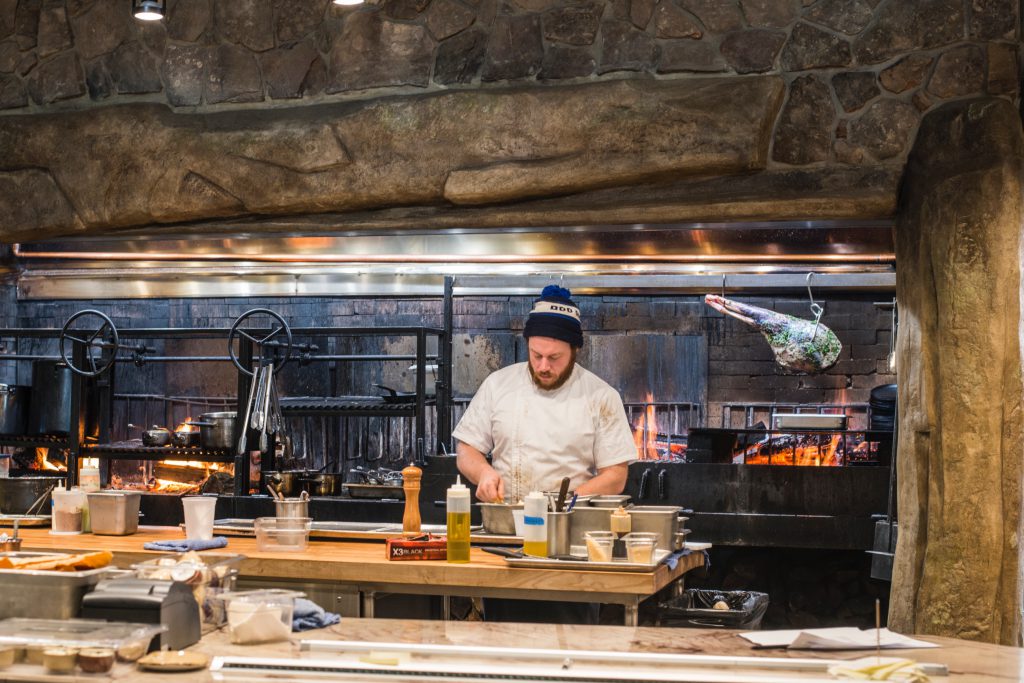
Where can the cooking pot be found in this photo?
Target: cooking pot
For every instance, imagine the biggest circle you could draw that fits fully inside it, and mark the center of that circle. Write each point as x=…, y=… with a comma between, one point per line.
x=18, y=493
x=291, y=482
x=155, y=436
x=326, y=484
x=13, y=409
x=217, y=430
x=497, y=517
x=185, y=439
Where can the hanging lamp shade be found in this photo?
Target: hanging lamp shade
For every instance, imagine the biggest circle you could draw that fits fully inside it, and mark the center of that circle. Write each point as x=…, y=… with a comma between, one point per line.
x=148, y=10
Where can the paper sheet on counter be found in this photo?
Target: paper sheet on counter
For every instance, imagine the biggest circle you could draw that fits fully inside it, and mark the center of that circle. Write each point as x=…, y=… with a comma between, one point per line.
x=840, y=638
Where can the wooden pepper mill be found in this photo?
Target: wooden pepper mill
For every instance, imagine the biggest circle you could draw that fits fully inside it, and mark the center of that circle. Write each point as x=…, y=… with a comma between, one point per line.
x=411, y=476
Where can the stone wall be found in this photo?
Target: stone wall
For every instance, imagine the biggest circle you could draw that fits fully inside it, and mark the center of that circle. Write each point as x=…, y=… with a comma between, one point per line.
x=857, y=76
x=865, y=69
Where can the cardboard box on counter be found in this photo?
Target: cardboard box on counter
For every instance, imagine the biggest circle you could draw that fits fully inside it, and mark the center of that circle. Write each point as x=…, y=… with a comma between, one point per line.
x=425, y=547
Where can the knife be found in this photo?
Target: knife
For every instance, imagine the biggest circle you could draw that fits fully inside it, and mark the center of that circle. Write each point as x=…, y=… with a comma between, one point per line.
x=562, y=492
x=504, y=552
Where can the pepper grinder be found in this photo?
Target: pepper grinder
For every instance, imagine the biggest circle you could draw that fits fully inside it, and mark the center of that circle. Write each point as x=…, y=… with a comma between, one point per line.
x=411, y=485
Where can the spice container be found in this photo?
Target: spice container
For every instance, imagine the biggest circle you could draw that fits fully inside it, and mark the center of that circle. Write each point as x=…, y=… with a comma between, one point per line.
x=289, y=534
x=260, y=616
x=114, y=513
x=68, y=509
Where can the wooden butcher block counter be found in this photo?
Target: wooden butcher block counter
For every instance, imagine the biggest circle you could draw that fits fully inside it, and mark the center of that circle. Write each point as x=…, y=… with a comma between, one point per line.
x=363, y=565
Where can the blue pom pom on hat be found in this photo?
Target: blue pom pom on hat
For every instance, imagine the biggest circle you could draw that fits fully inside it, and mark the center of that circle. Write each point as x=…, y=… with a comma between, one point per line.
x=555, y=315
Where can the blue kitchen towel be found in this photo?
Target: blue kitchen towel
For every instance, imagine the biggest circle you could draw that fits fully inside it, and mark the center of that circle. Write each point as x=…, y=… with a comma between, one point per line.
x=185, y=544
x=672, y=559
x=309, y=615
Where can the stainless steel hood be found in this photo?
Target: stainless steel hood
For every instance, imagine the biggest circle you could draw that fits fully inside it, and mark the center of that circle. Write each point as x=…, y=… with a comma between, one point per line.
x=649, y=258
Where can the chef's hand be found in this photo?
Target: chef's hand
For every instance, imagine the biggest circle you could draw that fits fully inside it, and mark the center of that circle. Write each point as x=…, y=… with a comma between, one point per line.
x=491, y=487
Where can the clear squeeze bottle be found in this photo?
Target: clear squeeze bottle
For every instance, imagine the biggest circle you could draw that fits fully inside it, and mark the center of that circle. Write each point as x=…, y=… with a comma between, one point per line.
x=457, y=505
x=535, y=525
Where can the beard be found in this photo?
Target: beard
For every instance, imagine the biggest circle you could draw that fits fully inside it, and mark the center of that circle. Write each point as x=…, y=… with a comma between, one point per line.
x=549, y=381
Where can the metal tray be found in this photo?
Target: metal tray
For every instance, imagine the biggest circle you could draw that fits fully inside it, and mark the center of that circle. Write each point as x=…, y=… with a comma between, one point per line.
x=586, y=565
x=375, y=491
x=334, y=530
x=45, y=593
x=25, y=520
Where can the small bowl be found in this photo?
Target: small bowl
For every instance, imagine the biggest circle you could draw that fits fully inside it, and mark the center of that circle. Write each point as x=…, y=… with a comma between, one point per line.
x=59, y=660
x=96, y=660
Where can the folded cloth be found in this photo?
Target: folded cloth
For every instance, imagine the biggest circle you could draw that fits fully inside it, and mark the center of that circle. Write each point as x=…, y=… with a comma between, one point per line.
x=186, y=544
x=672, y=559
x=309, y=615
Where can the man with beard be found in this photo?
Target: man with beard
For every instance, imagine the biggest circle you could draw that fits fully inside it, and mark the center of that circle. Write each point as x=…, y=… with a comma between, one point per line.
x=541, y=421
x=547, y=418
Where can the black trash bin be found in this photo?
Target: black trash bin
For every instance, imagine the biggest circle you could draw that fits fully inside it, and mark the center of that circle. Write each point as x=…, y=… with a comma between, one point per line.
x=695, y=608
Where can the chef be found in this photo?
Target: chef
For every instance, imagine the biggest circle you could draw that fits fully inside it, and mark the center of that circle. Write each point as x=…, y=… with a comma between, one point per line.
x=541, y=421
x=547, y=418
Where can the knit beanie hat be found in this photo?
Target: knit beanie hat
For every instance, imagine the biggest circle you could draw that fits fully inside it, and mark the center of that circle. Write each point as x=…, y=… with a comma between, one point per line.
x=555, y=315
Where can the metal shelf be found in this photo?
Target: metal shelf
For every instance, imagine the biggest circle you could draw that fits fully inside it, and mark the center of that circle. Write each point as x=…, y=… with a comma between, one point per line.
x=360, y=406
x=127, y=450
x=34, y=440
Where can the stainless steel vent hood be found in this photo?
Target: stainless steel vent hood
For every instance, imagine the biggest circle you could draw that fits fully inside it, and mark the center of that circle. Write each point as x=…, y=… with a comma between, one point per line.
x=649, y=258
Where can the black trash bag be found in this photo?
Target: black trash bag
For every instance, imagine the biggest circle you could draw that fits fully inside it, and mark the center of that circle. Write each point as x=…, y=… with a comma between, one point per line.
x=695, y=607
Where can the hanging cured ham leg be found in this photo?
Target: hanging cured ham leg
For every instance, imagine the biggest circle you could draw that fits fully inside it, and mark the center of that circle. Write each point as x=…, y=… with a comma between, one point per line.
x=799, y=345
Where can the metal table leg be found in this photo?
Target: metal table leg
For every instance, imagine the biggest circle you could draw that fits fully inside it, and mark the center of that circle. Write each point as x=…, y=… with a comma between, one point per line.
x=446, y=607
x=366, y=599
x=632, y=617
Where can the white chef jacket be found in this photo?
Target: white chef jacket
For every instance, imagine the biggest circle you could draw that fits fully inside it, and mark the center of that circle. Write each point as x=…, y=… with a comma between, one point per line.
x=536, y=437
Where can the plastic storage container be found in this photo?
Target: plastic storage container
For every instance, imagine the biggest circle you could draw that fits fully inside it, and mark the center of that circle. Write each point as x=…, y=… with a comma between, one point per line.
x=260, y=616
x=89, y=479
x=695, y=607
x=208, y=575
x=457, y=507
x=114, y=513
x=68, y=510
x=289, y=534
x=535, y=525
x=128, y=641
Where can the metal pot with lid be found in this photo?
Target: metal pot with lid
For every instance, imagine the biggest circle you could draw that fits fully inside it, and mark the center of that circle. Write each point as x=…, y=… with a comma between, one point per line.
x=216, y=430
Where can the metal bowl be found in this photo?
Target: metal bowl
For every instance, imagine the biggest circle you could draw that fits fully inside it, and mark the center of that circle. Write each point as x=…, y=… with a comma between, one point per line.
x=497, y=517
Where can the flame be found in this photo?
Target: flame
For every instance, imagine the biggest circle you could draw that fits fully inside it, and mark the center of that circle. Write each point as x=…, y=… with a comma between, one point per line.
x=813, y=451
x=186, y=427
x=42, y=462
x=195, y=464
x=647, y=424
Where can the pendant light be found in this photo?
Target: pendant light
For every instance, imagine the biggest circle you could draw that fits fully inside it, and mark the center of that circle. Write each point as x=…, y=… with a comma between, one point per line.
x=348, y=2
x=148, y=10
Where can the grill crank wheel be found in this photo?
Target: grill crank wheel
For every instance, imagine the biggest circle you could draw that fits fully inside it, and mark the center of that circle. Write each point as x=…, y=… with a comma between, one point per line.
x=97, y=334
x=266, y=330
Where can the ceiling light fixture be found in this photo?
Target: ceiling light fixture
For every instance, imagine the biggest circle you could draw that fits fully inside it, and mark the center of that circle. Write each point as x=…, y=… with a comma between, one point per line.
x=348, y=2
x=148, y=10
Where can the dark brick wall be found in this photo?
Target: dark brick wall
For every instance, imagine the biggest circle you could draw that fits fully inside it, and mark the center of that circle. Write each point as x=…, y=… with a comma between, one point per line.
x=675, y=347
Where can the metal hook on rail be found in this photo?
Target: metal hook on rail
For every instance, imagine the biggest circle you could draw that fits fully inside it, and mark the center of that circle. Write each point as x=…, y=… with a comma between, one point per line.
x=816, y=310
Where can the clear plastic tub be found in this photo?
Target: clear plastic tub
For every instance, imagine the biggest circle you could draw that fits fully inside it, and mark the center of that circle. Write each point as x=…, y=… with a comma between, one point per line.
x=599, y=545
x=209, y=576
x=640, y=546
x=289, y=534
x=114, y=513
x=129, y=641
x=260, y=616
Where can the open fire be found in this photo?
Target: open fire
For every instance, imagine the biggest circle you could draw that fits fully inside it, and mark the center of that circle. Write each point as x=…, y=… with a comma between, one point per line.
x=651, y=444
